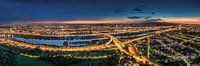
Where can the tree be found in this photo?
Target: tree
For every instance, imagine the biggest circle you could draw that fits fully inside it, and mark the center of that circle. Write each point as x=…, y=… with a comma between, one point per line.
x=7, y=58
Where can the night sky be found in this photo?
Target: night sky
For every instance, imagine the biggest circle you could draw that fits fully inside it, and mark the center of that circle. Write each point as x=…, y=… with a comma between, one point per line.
x=97, y=10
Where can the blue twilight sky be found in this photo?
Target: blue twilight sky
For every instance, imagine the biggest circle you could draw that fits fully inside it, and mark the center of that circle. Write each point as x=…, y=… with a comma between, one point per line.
x=30, y=10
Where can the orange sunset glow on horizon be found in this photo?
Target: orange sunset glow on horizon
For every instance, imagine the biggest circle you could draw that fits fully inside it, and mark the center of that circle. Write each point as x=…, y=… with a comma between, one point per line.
x=183, y=20
x=113, y=21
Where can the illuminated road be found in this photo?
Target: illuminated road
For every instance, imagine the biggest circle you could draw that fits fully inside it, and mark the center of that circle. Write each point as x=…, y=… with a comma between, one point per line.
x=180, y=56
x=118, y=44
x=150, y=35
x=64, y=55
x=184, y=41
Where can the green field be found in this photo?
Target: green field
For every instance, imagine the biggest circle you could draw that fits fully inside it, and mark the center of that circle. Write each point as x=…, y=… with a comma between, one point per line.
x=27, y=61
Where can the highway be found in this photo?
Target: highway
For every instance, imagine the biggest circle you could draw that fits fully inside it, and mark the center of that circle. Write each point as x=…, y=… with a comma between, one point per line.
x=138, y=59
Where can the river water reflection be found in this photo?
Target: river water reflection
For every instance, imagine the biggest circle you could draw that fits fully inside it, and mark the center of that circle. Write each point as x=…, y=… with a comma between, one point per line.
x=81, y=42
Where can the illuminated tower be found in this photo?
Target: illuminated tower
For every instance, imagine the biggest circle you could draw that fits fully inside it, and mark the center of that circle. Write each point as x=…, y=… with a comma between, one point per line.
x=179, y=27
x=132, y=50
x=148, y=47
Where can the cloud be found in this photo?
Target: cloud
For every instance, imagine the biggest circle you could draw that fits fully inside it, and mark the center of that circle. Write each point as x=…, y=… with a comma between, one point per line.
x=155, y=20
x=135, y=17
x=139, y=17
x=139, y=8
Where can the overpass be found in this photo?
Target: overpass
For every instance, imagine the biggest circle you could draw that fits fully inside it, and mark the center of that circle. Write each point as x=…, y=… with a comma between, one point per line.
x=138, y=59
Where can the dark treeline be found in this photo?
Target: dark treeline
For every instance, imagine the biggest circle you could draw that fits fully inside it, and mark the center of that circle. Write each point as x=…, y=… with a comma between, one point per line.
x=58, y=59
x=7, y=58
